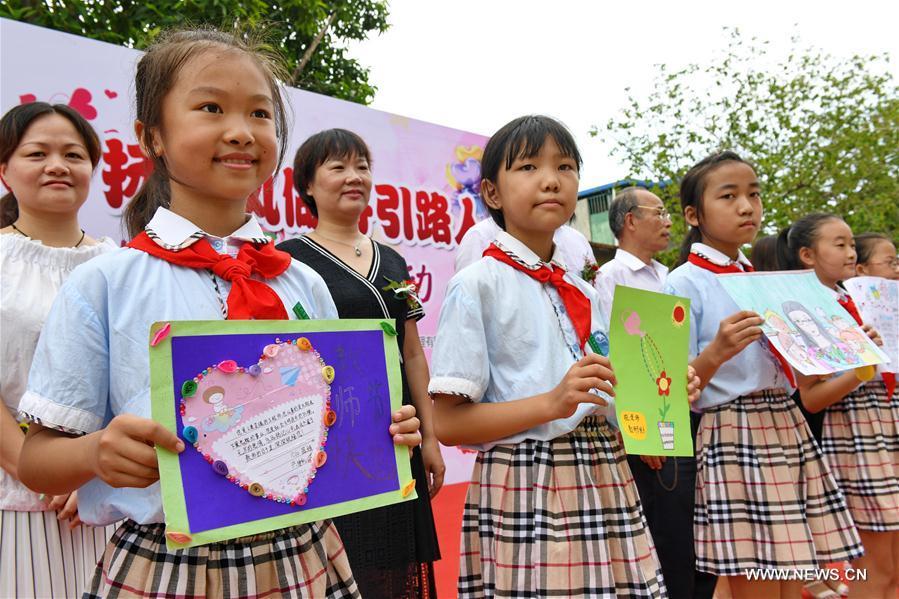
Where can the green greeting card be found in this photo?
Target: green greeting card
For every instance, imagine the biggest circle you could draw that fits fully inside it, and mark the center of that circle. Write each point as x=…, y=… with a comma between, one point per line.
x=649, y=336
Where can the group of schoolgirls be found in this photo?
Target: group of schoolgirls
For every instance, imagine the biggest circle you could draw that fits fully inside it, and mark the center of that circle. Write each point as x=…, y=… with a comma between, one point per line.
x=552, y=509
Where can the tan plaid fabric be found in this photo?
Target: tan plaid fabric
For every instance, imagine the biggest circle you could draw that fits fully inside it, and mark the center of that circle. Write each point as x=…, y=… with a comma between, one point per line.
x=765, y=497
x=306, y=561
x=558, y=518
x=861, y=444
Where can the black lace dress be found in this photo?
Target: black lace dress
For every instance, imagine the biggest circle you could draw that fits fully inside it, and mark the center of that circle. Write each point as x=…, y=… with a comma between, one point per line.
x=390, y=549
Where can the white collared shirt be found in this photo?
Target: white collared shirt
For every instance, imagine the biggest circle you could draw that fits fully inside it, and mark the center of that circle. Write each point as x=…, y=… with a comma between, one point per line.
x=753, y=369
x=630, y=271
x=573, y=250
x=91, y=362
x=504, y=336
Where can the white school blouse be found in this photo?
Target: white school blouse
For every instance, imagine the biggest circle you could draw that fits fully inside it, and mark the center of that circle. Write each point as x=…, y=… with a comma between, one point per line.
x=753, y=369
x=92, y=360
x=504, y=336
x=31, y=274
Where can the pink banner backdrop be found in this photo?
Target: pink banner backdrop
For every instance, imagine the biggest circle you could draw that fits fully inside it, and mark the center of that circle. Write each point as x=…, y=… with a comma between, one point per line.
x=426, y=176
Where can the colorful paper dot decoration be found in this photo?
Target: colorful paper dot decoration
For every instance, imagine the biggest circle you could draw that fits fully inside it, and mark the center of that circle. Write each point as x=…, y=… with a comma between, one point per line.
x=179, y=538
x=330, y=418
x=320, y=458
x=300, y=499
x=328, y=374
x=220, y=467
x=304, y=344
x=271, y=351
x=256, y=490
x=254, y=370
x=188, y=388
x=228, y=366
x=161, y=334
x=408, y=488
x=190, y=434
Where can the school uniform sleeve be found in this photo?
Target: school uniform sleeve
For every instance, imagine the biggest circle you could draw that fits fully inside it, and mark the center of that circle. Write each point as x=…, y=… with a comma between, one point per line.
x=68, y=385
x=460, y=358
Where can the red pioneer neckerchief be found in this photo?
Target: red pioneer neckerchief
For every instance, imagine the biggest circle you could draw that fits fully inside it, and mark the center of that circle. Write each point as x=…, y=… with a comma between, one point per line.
x=576, y=303
x=249, y=298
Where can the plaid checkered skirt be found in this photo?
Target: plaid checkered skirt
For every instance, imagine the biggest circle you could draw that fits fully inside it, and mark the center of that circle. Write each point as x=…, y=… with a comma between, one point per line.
x=861, y=443
x=305, y=561
x=558, y=518
x=765, y=497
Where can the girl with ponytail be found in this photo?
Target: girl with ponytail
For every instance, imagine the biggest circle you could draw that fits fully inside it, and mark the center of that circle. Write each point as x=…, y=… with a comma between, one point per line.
x=764, y=494
x=211, y=117
x=860, y=435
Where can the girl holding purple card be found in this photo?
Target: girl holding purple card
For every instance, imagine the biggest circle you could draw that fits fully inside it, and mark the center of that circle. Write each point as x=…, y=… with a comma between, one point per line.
x=211, y=117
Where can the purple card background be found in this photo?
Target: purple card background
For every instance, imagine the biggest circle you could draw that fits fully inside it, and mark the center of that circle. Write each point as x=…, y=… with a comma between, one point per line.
x=360, y=451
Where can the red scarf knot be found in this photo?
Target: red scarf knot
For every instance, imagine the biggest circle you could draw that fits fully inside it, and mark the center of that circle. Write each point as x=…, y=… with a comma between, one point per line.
x=249, y=298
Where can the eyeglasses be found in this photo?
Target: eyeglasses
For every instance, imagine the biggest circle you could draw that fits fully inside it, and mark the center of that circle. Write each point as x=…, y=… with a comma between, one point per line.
x=662, y=213
x=894, y=263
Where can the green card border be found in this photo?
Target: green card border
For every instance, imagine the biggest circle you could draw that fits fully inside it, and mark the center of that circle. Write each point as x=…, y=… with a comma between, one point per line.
x=163, y=411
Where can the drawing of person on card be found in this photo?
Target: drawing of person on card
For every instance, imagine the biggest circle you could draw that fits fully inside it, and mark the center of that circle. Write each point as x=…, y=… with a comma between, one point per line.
x=225, y=417
x=822, y=344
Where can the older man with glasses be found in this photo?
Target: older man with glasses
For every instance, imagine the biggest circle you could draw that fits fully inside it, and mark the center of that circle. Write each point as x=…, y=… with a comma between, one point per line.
x=642, y=225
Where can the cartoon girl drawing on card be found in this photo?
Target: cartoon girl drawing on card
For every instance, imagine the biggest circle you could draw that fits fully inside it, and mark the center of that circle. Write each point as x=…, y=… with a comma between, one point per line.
x=225, y=416
x=794, y=347
x=820, y=343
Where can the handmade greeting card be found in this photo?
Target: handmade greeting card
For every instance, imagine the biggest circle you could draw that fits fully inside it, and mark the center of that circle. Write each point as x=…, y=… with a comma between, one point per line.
x=649, y=335
x=803, y=321
x=284, y=421
x=878, y=301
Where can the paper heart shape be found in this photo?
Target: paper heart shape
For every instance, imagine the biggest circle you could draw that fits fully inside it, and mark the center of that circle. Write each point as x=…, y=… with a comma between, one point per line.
x=81, y=101
x=467, y=173
x=111, y=94
x=263, y=427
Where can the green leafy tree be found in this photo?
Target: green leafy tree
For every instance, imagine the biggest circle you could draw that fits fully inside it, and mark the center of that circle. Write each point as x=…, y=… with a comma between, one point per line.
x=822, y=131
x=312, y=34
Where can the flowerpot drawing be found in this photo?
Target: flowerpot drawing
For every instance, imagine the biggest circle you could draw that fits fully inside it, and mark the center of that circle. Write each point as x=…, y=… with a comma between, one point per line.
x=666, y=431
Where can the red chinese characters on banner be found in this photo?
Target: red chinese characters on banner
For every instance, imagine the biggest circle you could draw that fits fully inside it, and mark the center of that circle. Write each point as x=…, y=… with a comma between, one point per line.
x=419, y=217
x=423, y=281
x=296, y=215
x=125, y=169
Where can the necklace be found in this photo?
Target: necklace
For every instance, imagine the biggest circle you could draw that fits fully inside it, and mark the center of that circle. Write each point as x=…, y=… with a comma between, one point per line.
x=19, y=231
x=355, y=246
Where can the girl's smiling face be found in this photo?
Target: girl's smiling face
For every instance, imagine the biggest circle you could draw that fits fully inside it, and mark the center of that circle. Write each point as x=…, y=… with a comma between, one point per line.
x=832, y=254
x=731, y=208
x=218, y=137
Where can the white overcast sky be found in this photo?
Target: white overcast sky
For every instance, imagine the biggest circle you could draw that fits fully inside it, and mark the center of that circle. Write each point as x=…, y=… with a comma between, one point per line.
x=476, y=64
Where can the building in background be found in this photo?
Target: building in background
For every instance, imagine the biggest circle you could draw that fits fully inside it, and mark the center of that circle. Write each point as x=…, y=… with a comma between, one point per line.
x=591, y=216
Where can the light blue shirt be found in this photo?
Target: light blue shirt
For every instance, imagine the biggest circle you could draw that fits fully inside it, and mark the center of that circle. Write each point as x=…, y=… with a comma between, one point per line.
x=504, y=336
x=753, y=369
x=92, y=360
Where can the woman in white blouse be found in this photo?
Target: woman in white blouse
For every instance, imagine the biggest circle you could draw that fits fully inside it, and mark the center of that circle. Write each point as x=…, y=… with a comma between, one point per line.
x=47, y=157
